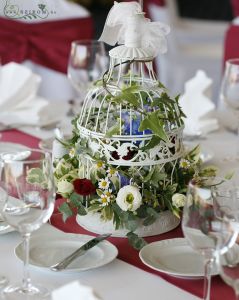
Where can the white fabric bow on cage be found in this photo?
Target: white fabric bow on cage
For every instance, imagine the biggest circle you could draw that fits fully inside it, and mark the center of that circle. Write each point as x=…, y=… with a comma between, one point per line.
x=127, y=25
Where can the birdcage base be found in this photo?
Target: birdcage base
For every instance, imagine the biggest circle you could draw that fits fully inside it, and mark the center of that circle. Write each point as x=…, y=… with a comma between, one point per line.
x=165, y=222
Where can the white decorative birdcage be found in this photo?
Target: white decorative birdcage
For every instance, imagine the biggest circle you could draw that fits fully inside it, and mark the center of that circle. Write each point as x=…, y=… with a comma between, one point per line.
x=113, y=129
x=129, y=123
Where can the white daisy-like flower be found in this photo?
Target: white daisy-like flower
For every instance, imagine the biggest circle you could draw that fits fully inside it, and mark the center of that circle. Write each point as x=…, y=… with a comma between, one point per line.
x=105, y=200
x=104, y=183
x=178, y=200
x=108, y=193
x=65, y=187
x=184, y=163
x=129, y=198
x=112, y=172
x=72, y=152
x=100, y=165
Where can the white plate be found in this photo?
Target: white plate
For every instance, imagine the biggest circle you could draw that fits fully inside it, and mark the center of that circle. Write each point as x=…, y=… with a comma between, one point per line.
x=47, y=250
x=174, y=257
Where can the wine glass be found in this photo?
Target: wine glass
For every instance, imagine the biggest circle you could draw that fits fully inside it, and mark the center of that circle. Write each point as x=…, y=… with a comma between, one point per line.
x=226, y=200
x=205, y=232
x=230, y=84
x=29, y=203
x=87, y=63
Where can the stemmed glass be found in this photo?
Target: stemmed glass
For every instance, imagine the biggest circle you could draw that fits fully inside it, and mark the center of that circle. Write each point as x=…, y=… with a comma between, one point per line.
x=230, y=84
x=205, y=232
x=29, y=203
x=87, y=63
x=3, y=279
x=226, y=200
x=229, y=92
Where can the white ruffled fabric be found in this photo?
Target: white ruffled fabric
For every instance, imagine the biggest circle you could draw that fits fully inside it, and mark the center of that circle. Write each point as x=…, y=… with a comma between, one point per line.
x=19, y=103
x=197, y=105
x=126, y=25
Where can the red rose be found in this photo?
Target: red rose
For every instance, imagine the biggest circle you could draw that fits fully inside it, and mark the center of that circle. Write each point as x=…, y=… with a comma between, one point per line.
x=83, y=187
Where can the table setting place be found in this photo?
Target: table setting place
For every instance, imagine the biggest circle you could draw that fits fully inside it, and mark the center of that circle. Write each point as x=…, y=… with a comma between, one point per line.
x=127, y=191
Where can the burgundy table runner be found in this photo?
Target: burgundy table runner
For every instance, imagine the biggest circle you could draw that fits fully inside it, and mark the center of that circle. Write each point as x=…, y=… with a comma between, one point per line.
x=220, y=291
x=45, y=43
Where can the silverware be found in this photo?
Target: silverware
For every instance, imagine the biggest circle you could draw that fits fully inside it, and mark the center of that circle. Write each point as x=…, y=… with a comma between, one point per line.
x=79, y=252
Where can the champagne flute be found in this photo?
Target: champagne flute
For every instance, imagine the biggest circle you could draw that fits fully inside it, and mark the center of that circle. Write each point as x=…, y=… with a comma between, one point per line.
x=29, y=203
x=205, y=232
x=87, y=63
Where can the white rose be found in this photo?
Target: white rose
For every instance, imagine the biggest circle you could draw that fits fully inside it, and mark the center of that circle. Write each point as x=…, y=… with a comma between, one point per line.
x=129, y=198
x=65, y=187
x=179, y=200
x=63, y=167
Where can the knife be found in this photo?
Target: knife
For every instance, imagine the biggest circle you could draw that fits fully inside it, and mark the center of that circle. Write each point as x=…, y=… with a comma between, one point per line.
x=79, y=252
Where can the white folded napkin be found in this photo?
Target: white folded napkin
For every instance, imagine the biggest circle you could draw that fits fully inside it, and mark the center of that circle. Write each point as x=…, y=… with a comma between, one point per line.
x=19, y=103
x=74, y=291
x=197, y=105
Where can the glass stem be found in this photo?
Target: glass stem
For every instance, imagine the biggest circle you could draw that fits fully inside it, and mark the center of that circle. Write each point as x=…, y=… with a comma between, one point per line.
x=236, y=289
x=26, y=282
x=207, y=278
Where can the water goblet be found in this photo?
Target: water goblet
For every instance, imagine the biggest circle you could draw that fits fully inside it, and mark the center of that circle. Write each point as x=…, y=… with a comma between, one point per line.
x=205, y=232
x=29, y=203
x=87, y=63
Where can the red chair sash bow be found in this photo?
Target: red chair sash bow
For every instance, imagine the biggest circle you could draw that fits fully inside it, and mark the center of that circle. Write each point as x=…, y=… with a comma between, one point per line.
x=231, y=45
x=45, y=43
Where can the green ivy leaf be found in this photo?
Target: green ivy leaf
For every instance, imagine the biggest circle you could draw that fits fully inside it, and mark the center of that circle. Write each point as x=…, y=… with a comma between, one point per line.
x=155, y=140
x=81, y=210
x=66, y=211
x=107, y=212
x=153, y=122
x=75, y=198
x=152, y=216
x=135, y=241
x=132, y=222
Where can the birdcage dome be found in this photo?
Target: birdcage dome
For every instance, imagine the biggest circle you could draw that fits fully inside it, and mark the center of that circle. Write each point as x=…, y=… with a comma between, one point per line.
x=112, y=113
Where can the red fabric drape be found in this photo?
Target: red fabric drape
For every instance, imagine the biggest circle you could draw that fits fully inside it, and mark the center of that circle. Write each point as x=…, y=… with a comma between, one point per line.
x=231, y=44
x=45, y=43
x=235, y=7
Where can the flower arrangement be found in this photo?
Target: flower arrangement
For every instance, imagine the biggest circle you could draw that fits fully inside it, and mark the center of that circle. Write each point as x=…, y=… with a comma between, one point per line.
x=126, y=194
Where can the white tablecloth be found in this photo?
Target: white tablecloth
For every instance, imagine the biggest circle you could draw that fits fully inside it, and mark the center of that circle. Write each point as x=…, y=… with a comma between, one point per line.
x=119, y=280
